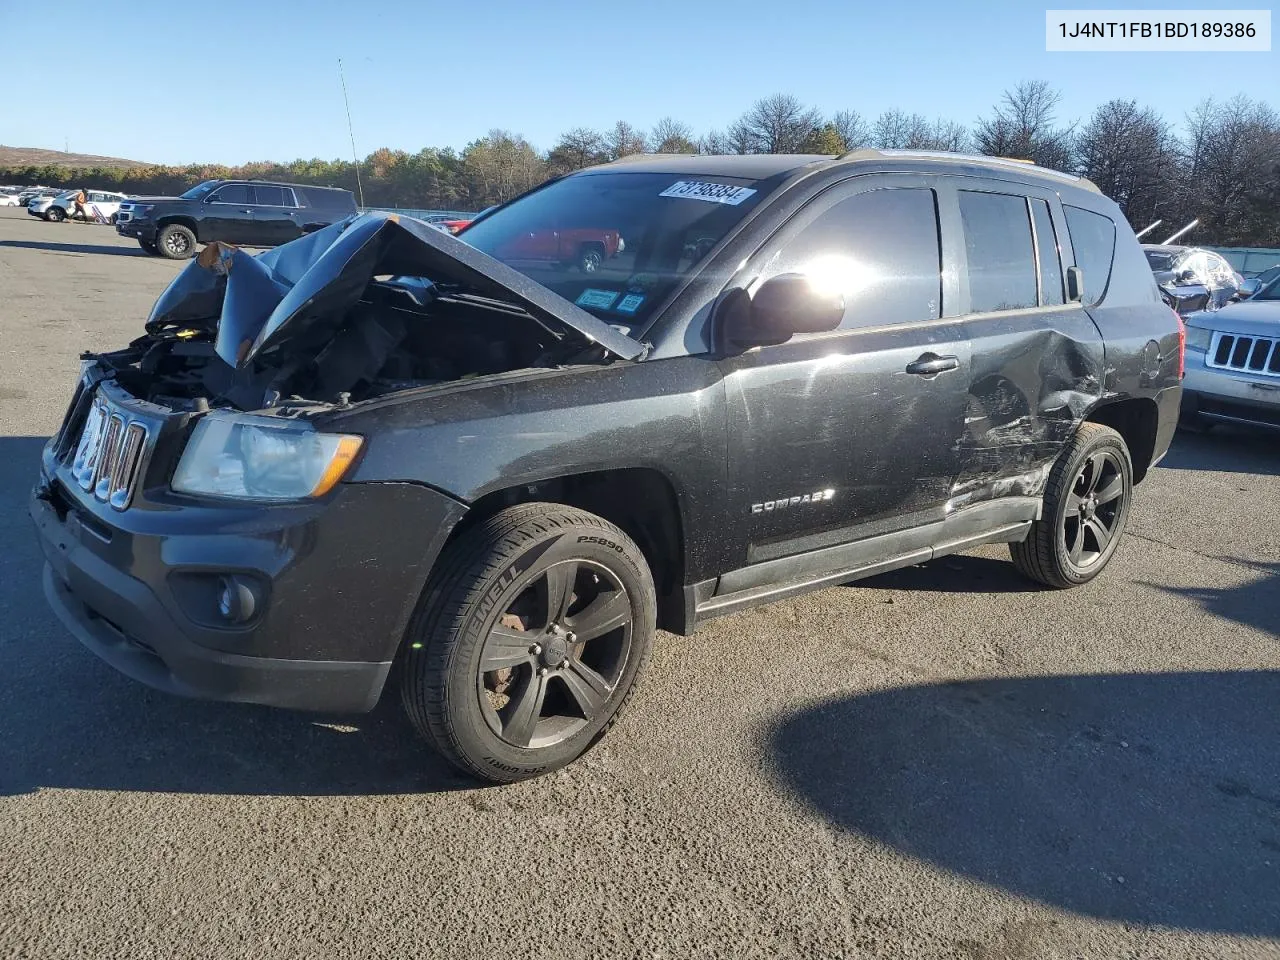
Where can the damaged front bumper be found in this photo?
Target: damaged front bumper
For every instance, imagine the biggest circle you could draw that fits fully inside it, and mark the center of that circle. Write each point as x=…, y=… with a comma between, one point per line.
x=332, y=594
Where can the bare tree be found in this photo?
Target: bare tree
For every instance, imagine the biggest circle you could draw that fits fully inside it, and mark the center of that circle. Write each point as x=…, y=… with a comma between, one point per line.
x=624, y=140
x=672, y=136
x=715, y=142
x=1023, y=125
x=1232, y=170
x=898, y=130
x=1131, y=154
x=853, y=130
x=499, y=166
x=775, y=124
x=580, y=147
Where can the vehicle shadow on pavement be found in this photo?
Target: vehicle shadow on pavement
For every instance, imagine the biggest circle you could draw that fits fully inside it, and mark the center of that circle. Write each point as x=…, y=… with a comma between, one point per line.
x=1139, y=798
x=960, y=573
x=70, y=721
x=77, y=248
x=1226, y=448
x=1254, y=604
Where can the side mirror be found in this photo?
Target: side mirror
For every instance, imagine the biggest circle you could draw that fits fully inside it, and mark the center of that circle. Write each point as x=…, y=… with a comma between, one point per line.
x=1249, y=288
x=1075, y=285
x=1187, y=276
x=782, y=307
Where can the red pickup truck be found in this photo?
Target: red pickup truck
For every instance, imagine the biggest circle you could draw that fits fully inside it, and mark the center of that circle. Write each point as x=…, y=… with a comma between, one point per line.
x=586, y=248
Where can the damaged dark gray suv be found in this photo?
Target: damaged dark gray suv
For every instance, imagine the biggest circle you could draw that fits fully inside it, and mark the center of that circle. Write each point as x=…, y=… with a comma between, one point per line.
x=474, y=470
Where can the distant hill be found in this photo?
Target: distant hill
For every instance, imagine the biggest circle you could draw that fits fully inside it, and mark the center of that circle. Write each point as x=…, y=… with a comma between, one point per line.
x=34, y=156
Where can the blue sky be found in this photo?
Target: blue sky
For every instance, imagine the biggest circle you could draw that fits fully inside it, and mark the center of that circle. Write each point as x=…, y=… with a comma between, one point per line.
x=237, y=81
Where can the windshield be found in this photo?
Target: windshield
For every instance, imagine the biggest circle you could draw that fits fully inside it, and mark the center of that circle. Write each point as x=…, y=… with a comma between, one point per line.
x=199, y=190
x=615, y=244
x=1270, y=292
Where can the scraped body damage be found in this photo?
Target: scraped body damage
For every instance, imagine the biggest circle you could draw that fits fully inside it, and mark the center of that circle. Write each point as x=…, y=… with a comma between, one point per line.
x=1034, y=379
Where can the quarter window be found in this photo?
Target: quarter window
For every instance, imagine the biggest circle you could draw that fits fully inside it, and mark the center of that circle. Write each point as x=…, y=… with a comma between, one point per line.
x=1093, y=237
x=233, y=193
x=1047, y=255
x=880, y=249
x=1000, y=252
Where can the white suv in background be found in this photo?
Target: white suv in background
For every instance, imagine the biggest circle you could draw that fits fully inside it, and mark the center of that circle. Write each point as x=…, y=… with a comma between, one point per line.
x=101, y=205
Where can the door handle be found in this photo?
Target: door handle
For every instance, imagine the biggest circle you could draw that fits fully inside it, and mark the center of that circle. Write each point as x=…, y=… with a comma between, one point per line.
x=246, y=211
x=930, y=365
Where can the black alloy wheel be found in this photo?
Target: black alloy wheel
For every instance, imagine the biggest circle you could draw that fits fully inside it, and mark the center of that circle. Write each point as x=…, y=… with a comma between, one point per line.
x=1094, y=507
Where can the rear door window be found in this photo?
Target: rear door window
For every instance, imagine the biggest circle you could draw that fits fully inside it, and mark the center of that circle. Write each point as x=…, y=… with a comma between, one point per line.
x=1093, y=237
x=880, y=249
x=1000, y=251
x=269, y=196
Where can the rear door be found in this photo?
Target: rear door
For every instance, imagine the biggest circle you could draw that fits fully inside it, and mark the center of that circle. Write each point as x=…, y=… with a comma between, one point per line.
x=1037, y=359
x=229, y=214
x=275, y=215
x=841, y=436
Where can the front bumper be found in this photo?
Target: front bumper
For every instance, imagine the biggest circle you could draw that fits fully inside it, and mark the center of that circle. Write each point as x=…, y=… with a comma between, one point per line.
x=1229, y=396
x=339, y=579
x=33, y=212
x=138, y=229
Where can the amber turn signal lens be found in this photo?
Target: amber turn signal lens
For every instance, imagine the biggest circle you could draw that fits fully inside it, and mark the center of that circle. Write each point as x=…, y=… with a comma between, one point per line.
x=348, y=447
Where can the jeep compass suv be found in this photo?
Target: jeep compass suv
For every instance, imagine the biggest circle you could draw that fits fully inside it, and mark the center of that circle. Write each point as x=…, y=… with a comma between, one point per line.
x=381, y=456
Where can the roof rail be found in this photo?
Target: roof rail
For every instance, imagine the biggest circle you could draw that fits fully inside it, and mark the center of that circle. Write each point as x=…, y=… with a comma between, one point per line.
x=869, y=153
x=648, y=156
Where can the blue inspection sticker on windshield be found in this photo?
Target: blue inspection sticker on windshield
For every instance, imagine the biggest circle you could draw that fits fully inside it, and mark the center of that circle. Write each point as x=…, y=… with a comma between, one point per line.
x=598, y=299
x=630, y=303
x=711, y=192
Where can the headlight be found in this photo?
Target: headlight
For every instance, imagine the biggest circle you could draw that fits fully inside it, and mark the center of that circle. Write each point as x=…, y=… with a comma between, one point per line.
x=257, y=458
x=1198, y=338
x=141, y=209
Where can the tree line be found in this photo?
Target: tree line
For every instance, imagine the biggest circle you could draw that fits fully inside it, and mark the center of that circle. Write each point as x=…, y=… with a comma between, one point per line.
x=1222, y=166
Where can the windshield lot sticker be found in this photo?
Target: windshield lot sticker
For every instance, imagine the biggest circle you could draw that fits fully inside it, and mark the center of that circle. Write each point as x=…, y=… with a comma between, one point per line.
x=630, y=303
x=600, y=299
x=711, y=192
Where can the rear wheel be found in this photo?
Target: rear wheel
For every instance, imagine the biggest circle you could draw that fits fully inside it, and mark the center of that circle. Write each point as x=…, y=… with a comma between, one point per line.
x=528, y=644
x=176, y=242
x=1086, y=505
x=590, y=258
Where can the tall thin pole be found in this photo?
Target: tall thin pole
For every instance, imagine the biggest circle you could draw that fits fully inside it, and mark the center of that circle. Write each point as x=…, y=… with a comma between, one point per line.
x=351, y=133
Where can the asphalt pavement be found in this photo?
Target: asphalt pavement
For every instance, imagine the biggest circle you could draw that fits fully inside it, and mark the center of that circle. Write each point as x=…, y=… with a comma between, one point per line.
x=940, y=762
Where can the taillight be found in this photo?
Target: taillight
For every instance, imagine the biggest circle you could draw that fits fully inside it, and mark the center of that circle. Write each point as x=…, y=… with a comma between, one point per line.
x=1182, y=346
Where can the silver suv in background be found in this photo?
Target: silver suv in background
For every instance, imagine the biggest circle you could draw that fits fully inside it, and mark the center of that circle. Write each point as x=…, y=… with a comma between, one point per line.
x=1233, y=362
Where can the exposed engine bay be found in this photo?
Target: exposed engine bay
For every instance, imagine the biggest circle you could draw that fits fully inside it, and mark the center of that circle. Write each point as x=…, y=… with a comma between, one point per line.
x=347, y=314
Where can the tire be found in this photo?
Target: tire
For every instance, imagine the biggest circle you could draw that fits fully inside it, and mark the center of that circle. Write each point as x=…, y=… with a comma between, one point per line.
x=525, y=715
x=113, y=219
x=149, y=247
x=55, y=214
x=176, y=242
x=1088, y=493
x=590, y=258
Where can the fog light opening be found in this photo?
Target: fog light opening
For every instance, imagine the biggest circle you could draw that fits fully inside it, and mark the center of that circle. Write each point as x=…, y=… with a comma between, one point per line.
x=237, y=599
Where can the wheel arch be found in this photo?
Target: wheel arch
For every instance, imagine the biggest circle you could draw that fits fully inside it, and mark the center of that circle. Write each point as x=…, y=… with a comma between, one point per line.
x=1137, y=420
x=642, y=501
x=181, y=219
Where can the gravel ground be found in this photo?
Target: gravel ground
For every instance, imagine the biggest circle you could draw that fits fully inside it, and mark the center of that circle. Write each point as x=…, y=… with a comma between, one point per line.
x=941, y=762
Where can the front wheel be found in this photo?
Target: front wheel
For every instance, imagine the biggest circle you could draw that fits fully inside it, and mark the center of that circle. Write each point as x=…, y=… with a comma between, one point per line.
x=176, y=242
x=528, y=643
x=55, y=214
x=1086, y=505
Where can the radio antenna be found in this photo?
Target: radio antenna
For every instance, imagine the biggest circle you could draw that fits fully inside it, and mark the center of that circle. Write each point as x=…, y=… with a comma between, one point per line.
x=351, y=133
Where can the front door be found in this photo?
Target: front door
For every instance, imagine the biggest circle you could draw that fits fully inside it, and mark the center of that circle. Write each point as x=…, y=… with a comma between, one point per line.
x=229, y=214
x=851, y=434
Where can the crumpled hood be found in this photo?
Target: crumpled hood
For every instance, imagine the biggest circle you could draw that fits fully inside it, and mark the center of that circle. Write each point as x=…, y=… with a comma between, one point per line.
x=310, y=283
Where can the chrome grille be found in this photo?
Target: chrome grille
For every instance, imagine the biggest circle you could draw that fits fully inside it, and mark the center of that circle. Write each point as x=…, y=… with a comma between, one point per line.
x=109, y=454
x=1231, y=351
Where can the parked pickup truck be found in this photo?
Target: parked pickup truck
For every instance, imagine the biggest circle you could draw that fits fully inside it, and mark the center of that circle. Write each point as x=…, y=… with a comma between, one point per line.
x=585, y=248
x=381, y=458
x=253, y=213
